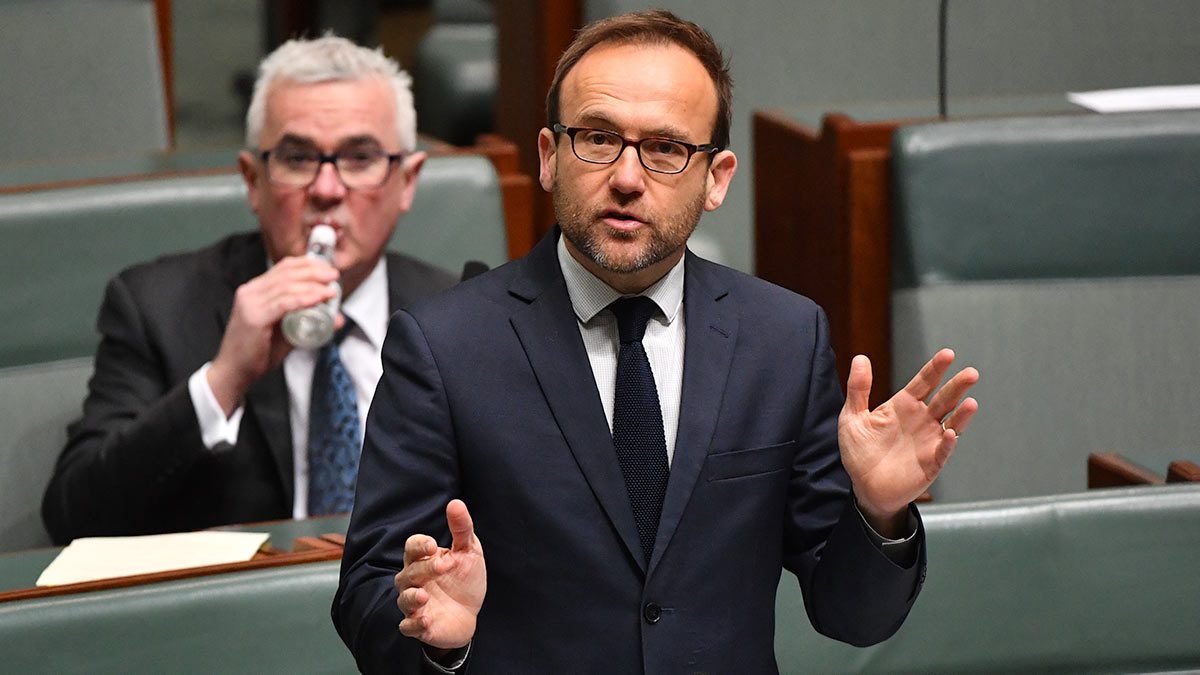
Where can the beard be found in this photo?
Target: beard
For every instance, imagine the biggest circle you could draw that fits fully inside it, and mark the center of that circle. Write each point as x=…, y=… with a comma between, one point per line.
x=581, y=224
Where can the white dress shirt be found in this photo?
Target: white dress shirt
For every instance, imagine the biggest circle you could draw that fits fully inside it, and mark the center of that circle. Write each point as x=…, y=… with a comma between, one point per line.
x=663, y=342
x=360, y=352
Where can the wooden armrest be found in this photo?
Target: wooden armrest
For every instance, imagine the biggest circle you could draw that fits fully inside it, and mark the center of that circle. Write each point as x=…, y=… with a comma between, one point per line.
x=1183, y=471
x=1108, y=469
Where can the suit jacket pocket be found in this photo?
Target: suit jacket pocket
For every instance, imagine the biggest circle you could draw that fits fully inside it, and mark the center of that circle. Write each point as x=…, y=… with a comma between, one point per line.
x=751, y=462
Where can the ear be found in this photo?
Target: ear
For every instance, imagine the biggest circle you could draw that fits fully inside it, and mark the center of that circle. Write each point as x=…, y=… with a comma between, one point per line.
x=410, y=167
x=716, y=181
x=547, y=159
x=249, y=168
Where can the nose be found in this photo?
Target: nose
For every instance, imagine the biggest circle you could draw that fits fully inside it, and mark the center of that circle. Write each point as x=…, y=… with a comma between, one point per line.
x=628, y=175
x=328, y=185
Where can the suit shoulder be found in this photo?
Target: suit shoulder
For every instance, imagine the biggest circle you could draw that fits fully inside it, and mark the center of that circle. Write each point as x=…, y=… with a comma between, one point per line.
x=205, y=265
x=421, y=277
x=756, y=295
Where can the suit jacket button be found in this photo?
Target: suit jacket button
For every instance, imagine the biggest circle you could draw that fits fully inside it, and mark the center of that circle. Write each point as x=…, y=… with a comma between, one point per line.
x=652, y=612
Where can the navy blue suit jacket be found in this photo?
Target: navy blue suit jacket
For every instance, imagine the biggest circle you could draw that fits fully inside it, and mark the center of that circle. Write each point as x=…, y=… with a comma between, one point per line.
x=487, y=395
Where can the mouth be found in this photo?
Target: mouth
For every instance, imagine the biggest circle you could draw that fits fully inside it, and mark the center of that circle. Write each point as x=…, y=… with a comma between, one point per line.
x=621, y=220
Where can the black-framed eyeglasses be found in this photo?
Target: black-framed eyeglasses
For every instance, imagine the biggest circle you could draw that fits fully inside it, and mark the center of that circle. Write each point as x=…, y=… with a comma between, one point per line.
x=660, y=155
x=358, y=169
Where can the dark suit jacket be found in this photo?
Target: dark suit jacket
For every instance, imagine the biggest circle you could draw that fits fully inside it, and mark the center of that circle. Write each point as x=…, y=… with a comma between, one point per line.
x=487, y=394
x=135, y=463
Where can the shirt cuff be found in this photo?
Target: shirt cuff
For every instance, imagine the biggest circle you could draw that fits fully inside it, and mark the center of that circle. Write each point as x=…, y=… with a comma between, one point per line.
x=899, y=551
x=451, y=668
x=216, y=431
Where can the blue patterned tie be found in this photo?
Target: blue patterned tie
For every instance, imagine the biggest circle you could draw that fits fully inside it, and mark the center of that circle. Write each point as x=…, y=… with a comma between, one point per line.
x=333, y=433
x=637, y=421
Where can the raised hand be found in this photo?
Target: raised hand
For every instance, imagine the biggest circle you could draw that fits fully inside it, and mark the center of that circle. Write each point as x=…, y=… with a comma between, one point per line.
x=441, y=589
x=253, y=343
x=894, y=452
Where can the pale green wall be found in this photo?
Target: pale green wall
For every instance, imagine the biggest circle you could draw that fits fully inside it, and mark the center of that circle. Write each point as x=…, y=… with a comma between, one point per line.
x=835, y=52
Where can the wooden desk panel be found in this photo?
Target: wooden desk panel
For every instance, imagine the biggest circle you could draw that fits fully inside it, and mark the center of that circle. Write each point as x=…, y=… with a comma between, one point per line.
x=823, y=227
x=311, y=540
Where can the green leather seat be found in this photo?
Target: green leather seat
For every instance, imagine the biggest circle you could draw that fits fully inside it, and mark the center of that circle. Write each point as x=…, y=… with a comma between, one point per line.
x=64, y=245
x=1058, y=255
x=1097, y=582
x=272, y=620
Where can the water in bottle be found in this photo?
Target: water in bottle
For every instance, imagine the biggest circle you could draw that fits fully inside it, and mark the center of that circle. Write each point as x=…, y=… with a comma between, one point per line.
x=312, y=327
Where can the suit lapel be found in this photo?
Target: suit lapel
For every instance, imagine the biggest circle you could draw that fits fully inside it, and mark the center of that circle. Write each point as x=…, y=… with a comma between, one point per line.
x=267, y=400
x=549, y=334
x=708, y=353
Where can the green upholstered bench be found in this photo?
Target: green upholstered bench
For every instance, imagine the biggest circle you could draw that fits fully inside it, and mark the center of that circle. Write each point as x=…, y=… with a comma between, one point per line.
x=1058, y=255
x=64, y=244
x=271, y=620
x=1097, y=582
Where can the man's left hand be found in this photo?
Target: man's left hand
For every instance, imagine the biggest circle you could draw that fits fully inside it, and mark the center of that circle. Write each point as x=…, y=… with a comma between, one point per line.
x=894, y=452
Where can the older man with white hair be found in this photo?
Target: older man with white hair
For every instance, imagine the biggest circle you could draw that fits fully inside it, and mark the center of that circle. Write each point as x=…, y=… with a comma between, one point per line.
x=200, y=412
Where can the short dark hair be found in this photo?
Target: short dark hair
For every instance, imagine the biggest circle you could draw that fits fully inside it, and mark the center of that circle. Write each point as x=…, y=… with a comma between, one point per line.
x=657, y=26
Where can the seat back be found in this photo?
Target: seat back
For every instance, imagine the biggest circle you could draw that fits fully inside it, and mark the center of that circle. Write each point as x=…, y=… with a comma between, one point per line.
x=454, y=81
x=1102, y=581
x=64, y=244
x=1056, y=254
x=81, y=79
x=272, y=620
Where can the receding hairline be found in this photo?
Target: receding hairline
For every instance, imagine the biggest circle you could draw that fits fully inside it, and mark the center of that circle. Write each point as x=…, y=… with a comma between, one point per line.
x=647, y=42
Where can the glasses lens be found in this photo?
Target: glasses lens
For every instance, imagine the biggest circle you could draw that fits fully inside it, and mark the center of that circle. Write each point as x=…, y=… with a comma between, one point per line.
x=363, y=168
x=295, y=168
x=660, y=154
x=593, y=145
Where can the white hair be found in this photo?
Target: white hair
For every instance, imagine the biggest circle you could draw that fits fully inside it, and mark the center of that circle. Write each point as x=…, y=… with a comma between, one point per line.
x=325, y=59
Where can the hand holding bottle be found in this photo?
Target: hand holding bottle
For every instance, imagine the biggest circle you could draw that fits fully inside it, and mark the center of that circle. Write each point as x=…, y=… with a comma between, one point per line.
x=254, y=342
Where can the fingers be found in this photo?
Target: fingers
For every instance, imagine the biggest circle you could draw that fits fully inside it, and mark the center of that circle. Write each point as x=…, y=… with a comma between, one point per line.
x=412, y=599
x=858, y=385
x=943, y=452
x=462, y=528
x=948, y=397
x=290, y=284
x=927, y=379
x=418, y=547
x=961, y=418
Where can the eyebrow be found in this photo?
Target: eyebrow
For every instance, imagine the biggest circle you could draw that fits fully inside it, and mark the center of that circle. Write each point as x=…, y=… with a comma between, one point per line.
x=361, y=139
x=666, y=131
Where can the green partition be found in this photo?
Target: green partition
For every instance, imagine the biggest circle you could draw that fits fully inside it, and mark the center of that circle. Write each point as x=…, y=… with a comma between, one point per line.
x=1097, y=582
x=271, y=620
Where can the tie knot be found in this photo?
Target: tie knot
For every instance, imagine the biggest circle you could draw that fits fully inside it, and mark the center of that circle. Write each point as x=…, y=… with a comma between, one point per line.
x=632, y=315
x=343, y=331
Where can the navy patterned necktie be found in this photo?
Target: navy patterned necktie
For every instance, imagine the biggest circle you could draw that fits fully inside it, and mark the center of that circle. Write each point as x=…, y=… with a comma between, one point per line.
x=334, y=439
x=637, y=421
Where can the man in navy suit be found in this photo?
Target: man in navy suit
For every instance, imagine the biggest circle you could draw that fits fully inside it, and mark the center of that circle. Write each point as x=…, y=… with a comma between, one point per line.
x=510, y=395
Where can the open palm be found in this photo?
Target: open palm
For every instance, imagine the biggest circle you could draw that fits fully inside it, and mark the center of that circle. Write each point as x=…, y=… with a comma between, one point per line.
x=894, y=452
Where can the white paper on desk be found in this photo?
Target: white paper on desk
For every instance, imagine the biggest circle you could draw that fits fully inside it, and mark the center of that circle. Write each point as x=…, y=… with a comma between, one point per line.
x=1137, y=99
x=95, y=558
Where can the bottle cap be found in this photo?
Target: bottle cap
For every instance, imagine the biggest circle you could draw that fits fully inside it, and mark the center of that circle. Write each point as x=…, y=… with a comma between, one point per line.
x=322, y=235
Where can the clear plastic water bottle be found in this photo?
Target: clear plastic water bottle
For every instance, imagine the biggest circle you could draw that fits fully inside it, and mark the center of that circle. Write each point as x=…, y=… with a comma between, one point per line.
x=312, y=327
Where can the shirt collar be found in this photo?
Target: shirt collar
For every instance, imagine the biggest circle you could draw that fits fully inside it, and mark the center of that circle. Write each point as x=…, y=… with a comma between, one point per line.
x=589, y=295
x=368, y=304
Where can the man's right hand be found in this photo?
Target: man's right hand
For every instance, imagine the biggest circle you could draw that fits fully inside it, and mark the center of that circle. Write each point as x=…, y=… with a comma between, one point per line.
x=441, y=589
x=253, y=343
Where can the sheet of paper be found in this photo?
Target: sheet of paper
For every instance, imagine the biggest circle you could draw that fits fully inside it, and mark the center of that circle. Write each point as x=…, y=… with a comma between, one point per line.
x=95, y=558
x=1138, y=98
